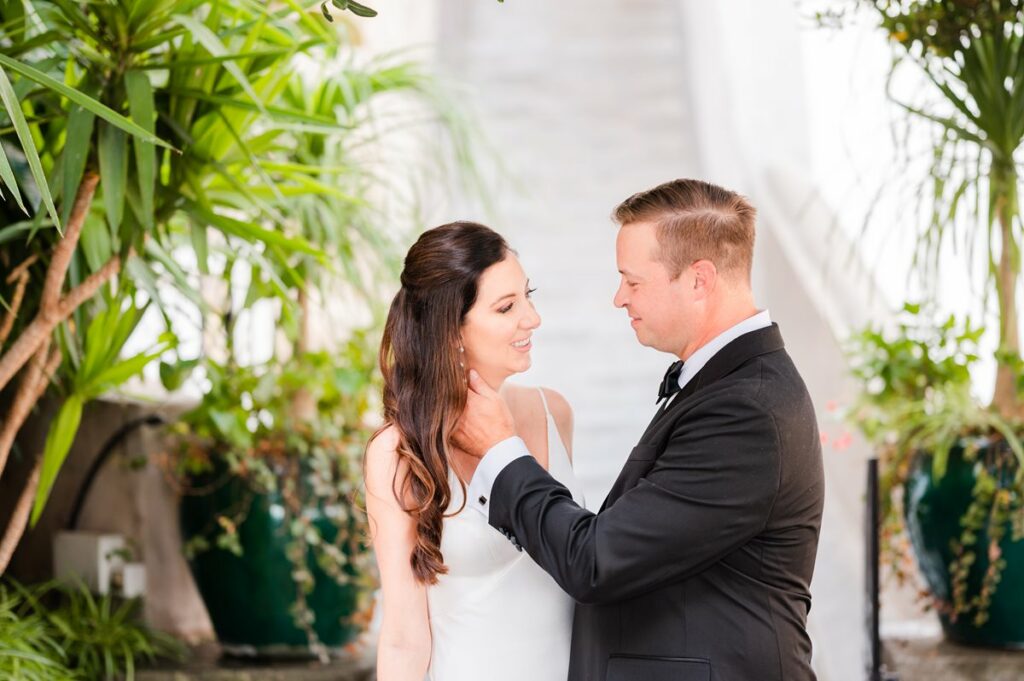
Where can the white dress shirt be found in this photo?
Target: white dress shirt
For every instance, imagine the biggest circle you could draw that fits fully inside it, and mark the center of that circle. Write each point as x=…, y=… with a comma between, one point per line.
x=510, y=449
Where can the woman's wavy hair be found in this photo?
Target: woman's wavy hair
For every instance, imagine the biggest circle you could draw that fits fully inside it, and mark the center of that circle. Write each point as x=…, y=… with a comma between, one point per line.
x=424, y=381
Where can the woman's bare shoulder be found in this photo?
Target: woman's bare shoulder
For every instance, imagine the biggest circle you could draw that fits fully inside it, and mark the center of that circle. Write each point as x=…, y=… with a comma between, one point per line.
x=382, y=461
x=558, y=405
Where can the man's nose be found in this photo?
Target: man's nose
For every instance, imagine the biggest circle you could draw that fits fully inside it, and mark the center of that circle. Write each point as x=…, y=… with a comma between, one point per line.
x=619, y=300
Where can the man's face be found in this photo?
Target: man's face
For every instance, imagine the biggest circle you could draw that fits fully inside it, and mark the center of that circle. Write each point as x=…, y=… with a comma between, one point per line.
x=659, y=307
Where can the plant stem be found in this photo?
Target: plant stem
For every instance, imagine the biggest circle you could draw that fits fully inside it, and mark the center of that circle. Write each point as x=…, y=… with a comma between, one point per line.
x=21, y=276
x=1004, y=188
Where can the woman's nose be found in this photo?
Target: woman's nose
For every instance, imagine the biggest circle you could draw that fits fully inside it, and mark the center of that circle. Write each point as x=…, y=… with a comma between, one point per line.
x=532, y=320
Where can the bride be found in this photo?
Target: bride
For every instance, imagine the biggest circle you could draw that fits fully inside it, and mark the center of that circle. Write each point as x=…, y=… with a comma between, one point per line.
x=460, y=601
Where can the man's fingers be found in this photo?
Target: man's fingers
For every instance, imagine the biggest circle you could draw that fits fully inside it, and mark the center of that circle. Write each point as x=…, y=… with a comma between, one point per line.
x=479, y=385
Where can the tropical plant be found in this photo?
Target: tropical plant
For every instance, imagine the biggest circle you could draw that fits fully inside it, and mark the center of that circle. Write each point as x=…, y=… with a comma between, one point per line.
x=78, y=68
x=971, y=53
x=55, y=631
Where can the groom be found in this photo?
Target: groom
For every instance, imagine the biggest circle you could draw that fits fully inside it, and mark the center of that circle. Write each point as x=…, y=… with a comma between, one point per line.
x=698, y=565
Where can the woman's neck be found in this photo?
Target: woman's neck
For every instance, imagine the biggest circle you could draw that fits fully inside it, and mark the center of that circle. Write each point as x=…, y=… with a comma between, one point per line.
x=494, y=380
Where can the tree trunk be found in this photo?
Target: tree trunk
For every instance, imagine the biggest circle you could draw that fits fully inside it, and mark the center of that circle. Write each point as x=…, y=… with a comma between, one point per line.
x=303, y=407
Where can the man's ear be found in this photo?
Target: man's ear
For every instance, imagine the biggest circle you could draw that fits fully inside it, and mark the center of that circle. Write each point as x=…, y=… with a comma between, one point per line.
x=705, y=278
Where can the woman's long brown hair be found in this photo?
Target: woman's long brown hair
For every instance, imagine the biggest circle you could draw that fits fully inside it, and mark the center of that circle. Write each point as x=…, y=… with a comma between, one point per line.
x=424, y=381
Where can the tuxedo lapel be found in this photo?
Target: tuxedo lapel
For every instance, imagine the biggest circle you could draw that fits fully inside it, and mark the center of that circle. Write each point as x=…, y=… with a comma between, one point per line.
x=725, y=361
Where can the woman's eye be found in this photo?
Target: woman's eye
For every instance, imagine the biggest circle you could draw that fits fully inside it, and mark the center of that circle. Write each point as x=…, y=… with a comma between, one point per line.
x=505, y=309
x=530, y=292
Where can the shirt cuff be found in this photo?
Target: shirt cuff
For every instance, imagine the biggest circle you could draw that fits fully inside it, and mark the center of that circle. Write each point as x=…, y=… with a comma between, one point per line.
x=493, y=463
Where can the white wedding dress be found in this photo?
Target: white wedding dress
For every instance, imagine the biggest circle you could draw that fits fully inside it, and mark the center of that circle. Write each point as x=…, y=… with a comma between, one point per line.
x=496, y=615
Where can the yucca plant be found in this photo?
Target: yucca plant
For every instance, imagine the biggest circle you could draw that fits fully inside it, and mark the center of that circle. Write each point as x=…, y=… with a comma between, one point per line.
x=971, y=53
x=157, y=109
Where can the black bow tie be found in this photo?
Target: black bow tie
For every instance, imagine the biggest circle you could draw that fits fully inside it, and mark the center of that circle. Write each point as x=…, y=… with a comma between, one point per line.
x=670, y=384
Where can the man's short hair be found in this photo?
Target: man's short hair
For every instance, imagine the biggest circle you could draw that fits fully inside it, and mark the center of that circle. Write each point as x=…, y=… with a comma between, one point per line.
x=696, y=220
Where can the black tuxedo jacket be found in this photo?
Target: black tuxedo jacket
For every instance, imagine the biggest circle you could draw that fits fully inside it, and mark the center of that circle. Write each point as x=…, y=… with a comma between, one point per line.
x=698, y=565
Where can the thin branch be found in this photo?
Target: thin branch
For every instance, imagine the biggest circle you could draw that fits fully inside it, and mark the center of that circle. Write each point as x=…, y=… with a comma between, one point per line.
x=43, y=325
x=12, y=313
x=21, y=269
x=65, y=249
x=19, y=519
x=24, y=400
x=87, y=289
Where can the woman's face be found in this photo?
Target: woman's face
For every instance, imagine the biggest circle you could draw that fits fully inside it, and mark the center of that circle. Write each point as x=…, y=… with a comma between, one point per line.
x=497, y=329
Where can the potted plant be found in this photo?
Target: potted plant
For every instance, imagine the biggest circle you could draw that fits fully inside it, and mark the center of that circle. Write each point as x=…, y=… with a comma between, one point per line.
x=271, y=515
x=952, y=464
x=950, y=473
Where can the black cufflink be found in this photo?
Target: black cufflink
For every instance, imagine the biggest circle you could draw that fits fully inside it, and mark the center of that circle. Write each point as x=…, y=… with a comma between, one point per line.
x=482, y=500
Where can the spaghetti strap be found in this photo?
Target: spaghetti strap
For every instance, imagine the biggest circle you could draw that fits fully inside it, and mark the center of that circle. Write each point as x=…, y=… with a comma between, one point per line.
x=544, y=400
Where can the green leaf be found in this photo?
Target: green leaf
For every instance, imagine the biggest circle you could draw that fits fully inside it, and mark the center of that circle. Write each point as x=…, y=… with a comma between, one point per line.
x=113, y=153
x=197, y=233
x=205, y=37
x=316, y=124
x=58, y=443
x=140, y=103
x=76, y=152
x=28, y=146
x=157, y=253
x=361, y=10
x=252, y=233
x=98, y=108
x=95, y=242
x=7, y=175
x=174, y=375
x=120, y=372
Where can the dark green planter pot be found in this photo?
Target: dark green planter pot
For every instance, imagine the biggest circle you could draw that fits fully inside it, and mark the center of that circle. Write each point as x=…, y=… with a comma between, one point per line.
x=934, y=509
x=250, y=597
